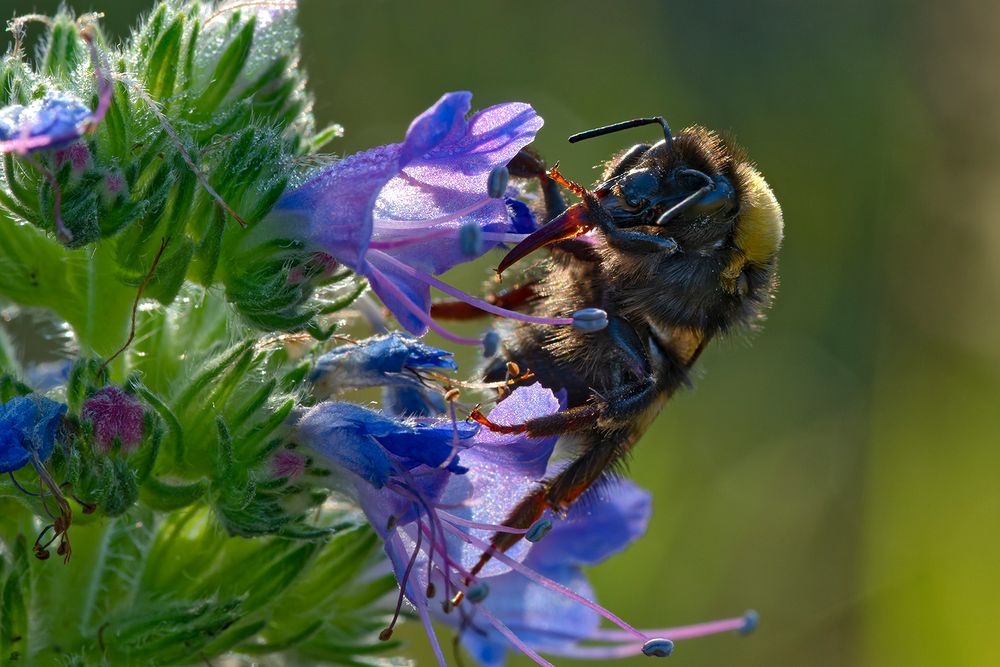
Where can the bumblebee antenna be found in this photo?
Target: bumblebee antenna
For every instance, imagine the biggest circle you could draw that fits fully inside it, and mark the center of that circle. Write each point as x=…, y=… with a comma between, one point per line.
x=627, y=125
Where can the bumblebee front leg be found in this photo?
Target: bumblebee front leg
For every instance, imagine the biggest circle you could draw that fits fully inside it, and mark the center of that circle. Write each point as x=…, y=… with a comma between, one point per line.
x=626, y=240
x=529, y=164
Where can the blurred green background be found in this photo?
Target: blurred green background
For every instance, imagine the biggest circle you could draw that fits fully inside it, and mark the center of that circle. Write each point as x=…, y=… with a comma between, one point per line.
x=839, y=472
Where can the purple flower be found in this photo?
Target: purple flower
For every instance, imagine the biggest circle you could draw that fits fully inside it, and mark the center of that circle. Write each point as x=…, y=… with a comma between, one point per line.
x=436, y=524
x=403, y=213
x=28, y=430
x=116, y=416
x=600, y=525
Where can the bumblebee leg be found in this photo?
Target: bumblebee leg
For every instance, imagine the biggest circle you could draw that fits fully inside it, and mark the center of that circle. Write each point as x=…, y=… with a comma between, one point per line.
x=626, y=240
x=529, y=164
x=601, y=453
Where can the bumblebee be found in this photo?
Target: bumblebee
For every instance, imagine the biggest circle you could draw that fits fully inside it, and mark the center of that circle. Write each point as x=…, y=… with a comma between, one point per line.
x=684, y=248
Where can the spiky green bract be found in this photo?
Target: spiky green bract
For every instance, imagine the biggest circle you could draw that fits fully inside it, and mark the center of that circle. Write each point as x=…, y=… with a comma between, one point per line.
x=188, y=547
x=207, y=120
x=174, y=589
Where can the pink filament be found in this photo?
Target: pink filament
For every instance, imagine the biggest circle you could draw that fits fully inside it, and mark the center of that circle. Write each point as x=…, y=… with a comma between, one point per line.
x=419, y=312
x=546, y=582
x=462, y=296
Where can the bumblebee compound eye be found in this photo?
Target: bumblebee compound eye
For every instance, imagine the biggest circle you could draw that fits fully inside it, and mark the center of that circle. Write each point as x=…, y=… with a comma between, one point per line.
x=636, y=189
x=721, y=200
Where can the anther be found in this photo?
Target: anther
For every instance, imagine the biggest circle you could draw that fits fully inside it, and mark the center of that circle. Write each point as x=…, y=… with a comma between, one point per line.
x=750, y=620
x=590, y=319
x=491, y=343
x=390, y=523
x=431, y=590
x=496, y=185
x=538, y=530
x=477, y=592
x=513, y=370
x=658, y=648
x=451, y=395
x=470, y=239
x=385, y=635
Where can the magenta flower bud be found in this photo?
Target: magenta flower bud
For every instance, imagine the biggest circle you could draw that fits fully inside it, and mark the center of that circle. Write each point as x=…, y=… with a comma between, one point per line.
x=113, y=187
x=115, y=414
x=288, y=464
x=77, y=154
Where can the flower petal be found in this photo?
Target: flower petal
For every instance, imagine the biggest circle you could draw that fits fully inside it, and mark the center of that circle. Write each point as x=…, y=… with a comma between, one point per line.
x=336, y=204
x=443, y=120
x=600, y=524
x=522, y=455
x=340, y=431
x=417, y=293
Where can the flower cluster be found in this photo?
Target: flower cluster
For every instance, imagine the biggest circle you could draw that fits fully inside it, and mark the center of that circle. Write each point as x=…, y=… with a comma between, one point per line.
x=436, y=490
x=198, y=398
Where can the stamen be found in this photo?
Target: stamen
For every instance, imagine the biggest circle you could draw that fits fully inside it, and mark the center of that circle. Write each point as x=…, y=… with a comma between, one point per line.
x=462, y=296
x=454, y=432
x=419, y=313
x=470, y=239
x=590, y=319
x=477, y=592
x=491, y=343
x=545, y=581
x=538, y=530
x=505, y=237
x=496, y=184
x=386, y=634
x=743, y=624
x=422, y=612
x=512, y=638
x=495, y=528
x=658, y=648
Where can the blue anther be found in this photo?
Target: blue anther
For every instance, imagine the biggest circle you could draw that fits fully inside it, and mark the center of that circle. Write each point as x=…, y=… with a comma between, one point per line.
x=590, y=319
x=491, y=343
x=477, y=592
x=538, y=530
x=470, y=239
x=496, y=185
x=750, y=620
x=658, y=648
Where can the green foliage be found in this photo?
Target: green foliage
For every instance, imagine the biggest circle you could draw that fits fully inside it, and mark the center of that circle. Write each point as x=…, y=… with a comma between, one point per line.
x=207, y=119
x=186, y=546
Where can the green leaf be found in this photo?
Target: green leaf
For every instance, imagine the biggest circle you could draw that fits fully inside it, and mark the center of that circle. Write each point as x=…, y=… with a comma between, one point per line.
x=162, y=66
x=228, y=69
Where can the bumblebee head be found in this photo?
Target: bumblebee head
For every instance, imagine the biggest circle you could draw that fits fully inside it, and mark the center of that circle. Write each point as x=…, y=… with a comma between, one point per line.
x=698, y=190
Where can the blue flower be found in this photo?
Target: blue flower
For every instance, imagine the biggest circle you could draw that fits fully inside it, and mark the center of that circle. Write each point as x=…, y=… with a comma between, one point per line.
x=375, y=447
x=27, y=429
x=53, y=122
x=393, y=360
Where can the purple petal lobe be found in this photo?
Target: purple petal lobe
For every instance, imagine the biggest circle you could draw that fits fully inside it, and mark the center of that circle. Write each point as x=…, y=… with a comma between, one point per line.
x=440, y=122
x=602, y=523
